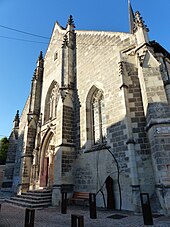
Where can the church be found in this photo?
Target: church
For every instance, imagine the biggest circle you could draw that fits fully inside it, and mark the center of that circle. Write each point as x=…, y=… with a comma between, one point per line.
x=97, y=119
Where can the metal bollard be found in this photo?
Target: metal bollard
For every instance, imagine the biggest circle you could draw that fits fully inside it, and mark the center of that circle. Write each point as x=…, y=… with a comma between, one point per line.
x=92, y=204
x=29, y=217
x=0, y=207
x=146, y=209
x=77, y=220
x=64, y=203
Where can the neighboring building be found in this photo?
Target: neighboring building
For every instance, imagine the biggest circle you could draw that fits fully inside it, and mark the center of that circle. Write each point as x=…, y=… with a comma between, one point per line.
x=2, y=167
x=11, y=156
x=97, y=97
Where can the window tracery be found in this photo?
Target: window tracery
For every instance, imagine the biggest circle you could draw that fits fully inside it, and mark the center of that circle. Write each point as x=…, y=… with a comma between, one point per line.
x=51, y=102
x=98, y=117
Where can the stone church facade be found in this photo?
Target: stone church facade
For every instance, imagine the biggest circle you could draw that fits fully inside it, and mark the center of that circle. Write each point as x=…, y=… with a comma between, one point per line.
x=97, y=119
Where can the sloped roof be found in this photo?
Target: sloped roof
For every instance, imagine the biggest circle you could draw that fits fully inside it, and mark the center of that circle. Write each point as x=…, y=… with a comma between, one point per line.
x=159, y=49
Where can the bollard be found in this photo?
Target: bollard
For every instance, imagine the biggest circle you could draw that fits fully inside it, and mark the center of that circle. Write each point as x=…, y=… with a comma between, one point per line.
x=0, y=207
x=29, y=217
x=92, y=204
x=64, y=203
x=146, y=209
x=77, y=220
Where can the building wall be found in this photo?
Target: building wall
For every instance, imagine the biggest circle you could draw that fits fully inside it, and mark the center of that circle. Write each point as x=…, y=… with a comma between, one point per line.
x=130, y=79
x=98, y=58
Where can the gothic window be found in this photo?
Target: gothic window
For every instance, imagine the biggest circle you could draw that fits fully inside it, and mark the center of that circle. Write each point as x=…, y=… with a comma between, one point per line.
x=51, y=102
x=96, y=118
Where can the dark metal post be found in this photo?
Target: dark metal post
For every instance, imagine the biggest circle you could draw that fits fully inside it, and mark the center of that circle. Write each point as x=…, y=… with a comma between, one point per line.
x=64, y=203
x=29, y=217
x=92, y=204
x=0, y=207
x=146, y=209
x=77, y=220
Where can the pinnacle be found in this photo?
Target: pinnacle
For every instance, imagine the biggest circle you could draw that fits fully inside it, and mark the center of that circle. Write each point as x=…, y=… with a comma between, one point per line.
x=139, y=21
x=71, y=21
x=40, y=56
x=16, y=119
x=65, y=41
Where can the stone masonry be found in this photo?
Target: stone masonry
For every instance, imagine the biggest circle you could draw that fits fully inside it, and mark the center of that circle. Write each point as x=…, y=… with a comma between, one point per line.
x=98, y=119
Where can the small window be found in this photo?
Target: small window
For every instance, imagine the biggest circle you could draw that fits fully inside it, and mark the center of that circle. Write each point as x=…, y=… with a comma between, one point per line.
x=55, y=56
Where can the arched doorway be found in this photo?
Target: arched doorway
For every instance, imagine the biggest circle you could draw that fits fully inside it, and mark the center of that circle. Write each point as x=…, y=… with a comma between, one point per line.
x=110, y=193
x=47, y=161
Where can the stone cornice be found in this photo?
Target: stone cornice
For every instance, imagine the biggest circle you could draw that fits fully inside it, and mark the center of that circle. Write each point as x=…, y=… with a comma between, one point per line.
x=159, y=121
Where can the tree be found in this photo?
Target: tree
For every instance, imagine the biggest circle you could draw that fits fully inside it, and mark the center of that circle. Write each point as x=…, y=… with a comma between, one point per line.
x=4, y=142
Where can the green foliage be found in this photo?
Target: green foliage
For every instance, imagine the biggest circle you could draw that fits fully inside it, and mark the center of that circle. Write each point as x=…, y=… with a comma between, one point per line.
x=4, y=142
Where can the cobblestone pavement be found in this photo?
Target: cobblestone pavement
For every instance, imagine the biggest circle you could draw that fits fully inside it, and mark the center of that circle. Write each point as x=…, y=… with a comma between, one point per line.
x=14, y=216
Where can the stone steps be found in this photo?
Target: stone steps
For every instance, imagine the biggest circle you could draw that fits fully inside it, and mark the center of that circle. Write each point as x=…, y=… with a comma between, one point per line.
x=28, y=205
x=28, y=200
x=32, y=199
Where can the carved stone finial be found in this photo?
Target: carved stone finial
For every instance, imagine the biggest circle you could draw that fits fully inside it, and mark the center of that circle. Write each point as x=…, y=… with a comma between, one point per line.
x=40, y=60
x=70, y=21
x=141, y=57
x=34, y=75
x=121, y=68
x=16, y=119
x=40, y=56
x=16, y=116
x=65, y=41
x=139, y=22
x=63, y=93
x=40, y=120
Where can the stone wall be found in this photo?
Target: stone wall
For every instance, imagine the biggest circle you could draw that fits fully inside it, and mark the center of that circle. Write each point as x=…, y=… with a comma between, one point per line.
x=97, y=65
x=131, y=84
x=157, y=114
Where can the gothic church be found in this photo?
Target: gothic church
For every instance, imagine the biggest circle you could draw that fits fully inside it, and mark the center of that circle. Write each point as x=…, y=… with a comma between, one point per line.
x=97, y=119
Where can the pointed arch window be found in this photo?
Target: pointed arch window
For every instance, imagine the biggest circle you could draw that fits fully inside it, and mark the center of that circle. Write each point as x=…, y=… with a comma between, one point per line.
x=96, y=118
x=51, y=102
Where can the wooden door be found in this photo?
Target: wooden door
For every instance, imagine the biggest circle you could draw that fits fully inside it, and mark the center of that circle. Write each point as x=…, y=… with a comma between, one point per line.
x=110, y=193
x=45, y=173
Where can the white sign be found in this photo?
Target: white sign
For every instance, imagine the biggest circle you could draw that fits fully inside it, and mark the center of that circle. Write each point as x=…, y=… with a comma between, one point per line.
x=163, y=130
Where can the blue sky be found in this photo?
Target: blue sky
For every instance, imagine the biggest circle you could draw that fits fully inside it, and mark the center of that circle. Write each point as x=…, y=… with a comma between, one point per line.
x=18, y=58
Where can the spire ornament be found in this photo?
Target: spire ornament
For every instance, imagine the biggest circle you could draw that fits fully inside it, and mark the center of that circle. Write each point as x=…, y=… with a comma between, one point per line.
x=65, y=41
x=16, y=119
x=16, y=116
x=131, y=18
x=71, y=21
x=40, y=60
x=139, y=22
x=40, y=56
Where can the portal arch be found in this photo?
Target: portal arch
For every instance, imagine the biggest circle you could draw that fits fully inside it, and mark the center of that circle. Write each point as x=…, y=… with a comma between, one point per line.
x=47, y=160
